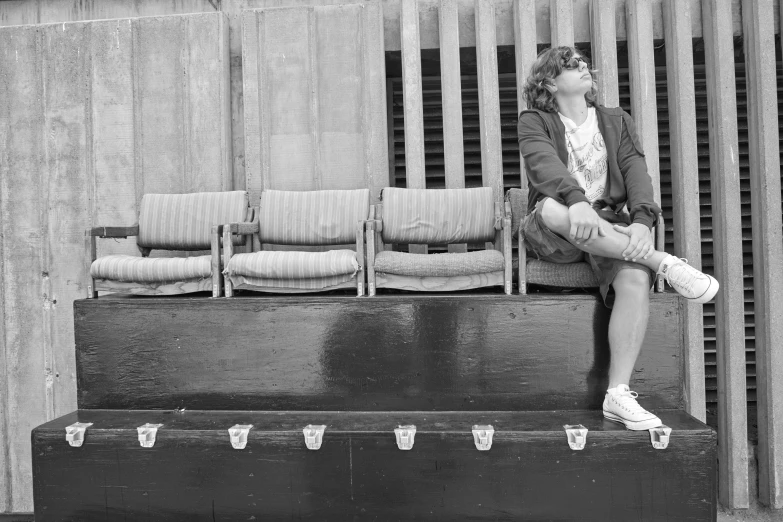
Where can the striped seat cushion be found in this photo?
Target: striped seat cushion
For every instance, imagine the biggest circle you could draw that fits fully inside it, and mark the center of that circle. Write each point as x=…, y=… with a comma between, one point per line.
x=293, y=265
x=438, y=216
x=315, y=283
x=185, y=221
x=570, y=275
x=439, y=265
x=135, y=269
x=319, y=217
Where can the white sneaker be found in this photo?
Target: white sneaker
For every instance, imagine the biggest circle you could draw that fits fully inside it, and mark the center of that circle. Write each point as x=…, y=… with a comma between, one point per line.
x=620, y=406
x=688, y=281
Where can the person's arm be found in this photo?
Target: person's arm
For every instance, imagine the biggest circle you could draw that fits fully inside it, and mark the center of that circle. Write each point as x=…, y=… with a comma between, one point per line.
x=549, y=176
x=638, y=185
x=545, y=171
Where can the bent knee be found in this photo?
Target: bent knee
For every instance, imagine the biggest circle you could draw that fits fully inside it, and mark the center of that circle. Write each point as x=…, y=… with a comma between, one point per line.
x=632, y=280
x=555, y=216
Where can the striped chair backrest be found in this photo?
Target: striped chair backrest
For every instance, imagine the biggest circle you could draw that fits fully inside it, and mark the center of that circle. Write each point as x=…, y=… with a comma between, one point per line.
x=438, y=216
x=184, y=221
x=317, y=217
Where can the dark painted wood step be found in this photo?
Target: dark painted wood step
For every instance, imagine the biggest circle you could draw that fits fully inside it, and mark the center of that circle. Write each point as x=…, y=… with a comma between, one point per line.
x=401, y=352
x=529, y=473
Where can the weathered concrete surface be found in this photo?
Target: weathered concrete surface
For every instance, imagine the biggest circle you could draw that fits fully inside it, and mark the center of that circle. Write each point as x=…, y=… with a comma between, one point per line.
x=727, y=239
x=48, y=11
x=316, y=99
x=755, y=512
x=764, y=159
x=92, y=115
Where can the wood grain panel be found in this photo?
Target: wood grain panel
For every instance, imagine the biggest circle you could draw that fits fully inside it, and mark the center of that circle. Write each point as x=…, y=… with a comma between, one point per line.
x=315, y=98
x=641, y=69
x=5, y=478
x=603, y=38
x=79, y=104
x=412, y=101
x=162, y=105
x=375, y=122
x=206, y=64
x=759, y=37
x=288, y=61
x=489, y=99
x=64, y=199
x=28, y=399
x=113, y=190
x=561, y=22
x=438, y=353
x=529, y=473
x=15, y=12
x=525, y=52
x=338, y=37
x=412, y=96
x=451, y=92
x=685, y=187
x=727, y=240
x=256, y=131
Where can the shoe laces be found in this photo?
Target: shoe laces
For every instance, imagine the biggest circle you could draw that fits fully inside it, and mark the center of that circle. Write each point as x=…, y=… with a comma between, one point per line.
x=682, y=275
x=627, y=400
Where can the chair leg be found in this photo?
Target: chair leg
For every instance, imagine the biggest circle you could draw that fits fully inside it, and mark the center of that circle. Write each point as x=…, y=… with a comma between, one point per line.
x=522, y=278
x=217, y=276
x=92, y=252
x=370, y=228
x=508, y=262
x=660, y=239
x=92, y=293
x=361, y=258
x=228, y=251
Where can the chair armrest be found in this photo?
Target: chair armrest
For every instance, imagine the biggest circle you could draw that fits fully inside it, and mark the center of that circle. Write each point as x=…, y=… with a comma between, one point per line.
x=660, y=245
x=117, y=232
x=660, y=234
x=499, y=215
x=242, y=229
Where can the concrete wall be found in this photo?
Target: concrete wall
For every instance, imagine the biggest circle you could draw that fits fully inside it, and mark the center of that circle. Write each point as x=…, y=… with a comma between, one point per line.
x=92, y=115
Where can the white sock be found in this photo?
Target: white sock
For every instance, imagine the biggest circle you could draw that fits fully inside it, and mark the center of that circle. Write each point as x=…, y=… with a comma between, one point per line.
x=667, y=261
x=615, y=390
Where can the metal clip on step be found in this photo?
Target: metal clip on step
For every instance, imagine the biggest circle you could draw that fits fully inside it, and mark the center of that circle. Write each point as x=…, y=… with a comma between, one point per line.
x=314, y=435
x=577, y=436
x=660, y=436
x=482, y=436
x=405, y=436
x=147, y=434
x=74, y=433
x=238, y=435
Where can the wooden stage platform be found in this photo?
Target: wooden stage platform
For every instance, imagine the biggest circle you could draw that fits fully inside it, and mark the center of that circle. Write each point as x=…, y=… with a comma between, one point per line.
x=400, y=352
x=447, y=364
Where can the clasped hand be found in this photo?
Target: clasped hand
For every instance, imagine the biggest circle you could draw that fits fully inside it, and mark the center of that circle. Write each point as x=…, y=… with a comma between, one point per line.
x=586, y=226
x=640, y=244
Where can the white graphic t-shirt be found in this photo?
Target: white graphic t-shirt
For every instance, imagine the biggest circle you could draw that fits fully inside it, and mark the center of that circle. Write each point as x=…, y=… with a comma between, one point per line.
x=586, y=154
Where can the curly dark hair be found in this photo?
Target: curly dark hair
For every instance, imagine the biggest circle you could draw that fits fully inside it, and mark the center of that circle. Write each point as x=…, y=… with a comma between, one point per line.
x=549, y=64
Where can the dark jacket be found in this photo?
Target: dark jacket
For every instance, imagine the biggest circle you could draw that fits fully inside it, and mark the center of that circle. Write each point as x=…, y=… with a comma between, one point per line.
x=543, y=146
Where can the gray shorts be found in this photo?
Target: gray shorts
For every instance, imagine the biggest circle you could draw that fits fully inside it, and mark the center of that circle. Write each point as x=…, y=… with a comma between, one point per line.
x=550, y=246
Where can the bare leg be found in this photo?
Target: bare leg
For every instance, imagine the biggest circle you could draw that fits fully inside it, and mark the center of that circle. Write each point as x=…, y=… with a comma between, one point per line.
x=628, y=323
x=555, y=216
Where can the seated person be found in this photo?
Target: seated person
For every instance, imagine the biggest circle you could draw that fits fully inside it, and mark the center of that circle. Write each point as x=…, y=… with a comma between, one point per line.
x=584, y=164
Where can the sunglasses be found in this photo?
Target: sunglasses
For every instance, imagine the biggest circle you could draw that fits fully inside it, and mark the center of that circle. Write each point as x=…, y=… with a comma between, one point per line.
x=573, y=62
